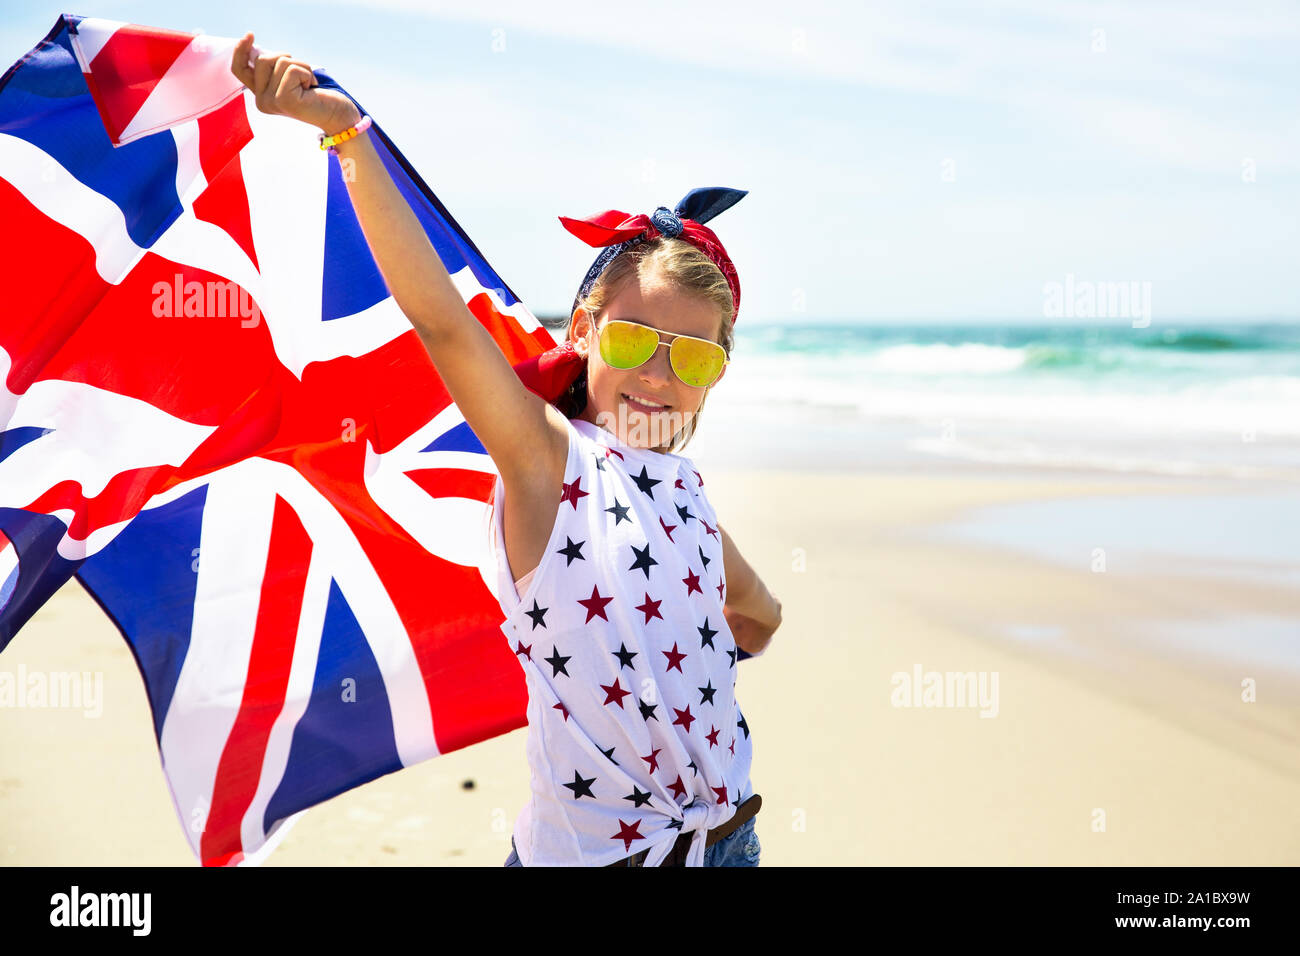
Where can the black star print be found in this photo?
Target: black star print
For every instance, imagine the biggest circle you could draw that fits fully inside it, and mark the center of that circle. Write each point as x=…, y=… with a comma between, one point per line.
x=645, y=482
x=706, y=692
x=538, y=614
x=706, y=635
x=638, y=796
x=694, y=769
x=704, y=558
x=681, y=510
x=581, y=787
x=600, y=463
x=571, y=551
x=732, y=654
x=647, y=710
x=610, y=754
x=743, y=726
x=643, y=560
x=557, y=662
x=620, y=513
x=674, y=824
x=624, y=656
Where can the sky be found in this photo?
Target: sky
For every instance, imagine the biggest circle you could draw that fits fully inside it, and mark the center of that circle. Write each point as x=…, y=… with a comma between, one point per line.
x=905, y=161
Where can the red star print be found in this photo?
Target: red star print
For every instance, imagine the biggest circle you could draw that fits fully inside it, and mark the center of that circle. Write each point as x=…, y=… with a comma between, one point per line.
x=627, y=833
x=650, y=609
x=596, y=605
x=692, y=582
x=721, y=585
x=722, y=794
x=678, y=484
x=614, y=692
x=611, y=451
x=684, y=717
x=698, y=478
x=712, y=531
x=653, y=760
x=562, y=709
x=674, y=659
x=572, y=492
x=732, y=747
x=527, y=651
x=712, y=738
x=677, y=787
x=668, y=529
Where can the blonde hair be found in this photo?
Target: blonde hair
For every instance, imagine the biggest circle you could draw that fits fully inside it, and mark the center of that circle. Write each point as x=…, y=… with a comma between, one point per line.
x=676, y=262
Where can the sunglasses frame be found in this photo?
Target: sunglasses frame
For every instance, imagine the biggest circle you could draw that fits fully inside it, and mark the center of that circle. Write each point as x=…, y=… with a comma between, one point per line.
x=660, y=333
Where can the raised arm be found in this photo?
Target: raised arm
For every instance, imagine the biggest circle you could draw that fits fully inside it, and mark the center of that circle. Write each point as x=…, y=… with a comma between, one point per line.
x=514, y=425
x=512, y=422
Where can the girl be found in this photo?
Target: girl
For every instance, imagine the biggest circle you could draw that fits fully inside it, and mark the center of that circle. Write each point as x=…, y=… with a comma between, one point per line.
x=629, y=622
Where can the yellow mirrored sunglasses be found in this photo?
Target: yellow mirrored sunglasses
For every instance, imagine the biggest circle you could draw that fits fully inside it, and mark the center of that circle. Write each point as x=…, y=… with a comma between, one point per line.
x=626, y=345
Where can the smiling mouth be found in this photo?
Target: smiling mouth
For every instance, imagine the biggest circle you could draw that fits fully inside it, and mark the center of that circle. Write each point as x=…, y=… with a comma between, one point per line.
x=643, y=406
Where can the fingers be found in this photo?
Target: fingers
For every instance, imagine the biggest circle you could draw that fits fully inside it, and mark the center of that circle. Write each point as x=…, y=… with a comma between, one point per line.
x=239, y=60
x=262, y=72
x=293, y=77
x=275, y=93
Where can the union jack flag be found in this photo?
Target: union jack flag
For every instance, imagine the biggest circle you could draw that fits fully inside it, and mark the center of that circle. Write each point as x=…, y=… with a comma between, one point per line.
x=214, y=416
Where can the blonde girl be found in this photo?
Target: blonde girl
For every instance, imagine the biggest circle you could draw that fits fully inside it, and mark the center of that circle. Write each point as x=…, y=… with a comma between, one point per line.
x=625, y=602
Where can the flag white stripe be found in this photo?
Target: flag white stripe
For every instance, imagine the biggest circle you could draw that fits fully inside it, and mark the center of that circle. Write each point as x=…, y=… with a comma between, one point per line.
x=233, y=545
x=286, y=176
x=253, y=480
x=62, y=197
x=93, y=34
x=302, y=672
x=198, y=82
x=95, y=435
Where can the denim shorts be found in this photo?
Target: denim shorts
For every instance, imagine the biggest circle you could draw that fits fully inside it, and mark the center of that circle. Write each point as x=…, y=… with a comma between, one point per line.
x=740, y=848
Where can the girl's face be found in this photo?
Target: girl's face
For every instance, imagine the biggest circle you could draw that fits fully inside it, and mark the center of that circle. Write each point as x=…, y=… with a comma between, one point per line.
x=612, y=393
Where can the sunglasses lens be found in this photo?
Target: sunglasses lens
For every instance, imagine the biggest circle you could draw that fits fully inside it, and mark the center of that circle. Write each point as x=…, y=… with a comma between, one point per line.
x=626, y=345
x=697, y=362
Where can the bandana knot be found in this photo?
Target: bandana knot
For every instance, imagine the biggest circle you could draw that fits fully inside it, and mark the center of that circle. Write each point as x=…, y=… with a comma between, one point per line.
x=666, y=222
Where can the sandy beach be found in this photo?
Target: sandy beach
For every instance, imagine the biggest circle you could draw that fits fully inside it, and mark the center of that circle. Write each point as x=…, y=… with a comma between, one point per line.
x=1097, y=744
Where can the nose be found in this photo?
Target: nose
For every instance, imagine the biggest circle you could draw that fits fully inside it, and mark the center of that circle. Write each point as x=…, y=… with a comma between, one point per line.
x=658, y=371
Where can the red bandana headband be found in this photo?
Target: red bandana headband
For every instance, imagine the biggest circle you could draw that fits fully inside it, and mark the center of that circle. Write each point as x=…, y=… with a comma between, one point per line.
x=551, y=373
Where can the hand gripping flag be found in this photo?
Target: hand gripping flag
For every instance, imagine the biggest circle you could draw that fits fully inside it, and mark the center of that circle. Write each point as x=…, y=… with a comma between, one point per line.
x=215, y=417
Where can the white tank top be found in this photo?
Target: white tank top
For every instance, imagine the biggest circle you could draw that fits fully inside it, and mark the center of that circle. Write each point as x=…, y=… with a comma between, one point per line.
x=634, y=734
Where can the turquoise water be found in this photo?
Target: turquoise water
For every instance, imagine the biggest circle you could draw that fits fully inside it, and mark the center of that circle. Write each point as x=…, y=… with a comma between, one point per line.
x=1214, y=399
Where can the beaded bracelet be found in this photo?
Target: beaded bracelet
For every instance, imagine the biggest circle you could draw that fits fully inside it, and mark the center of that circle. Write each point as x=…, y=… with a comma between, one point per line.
x=329, y=142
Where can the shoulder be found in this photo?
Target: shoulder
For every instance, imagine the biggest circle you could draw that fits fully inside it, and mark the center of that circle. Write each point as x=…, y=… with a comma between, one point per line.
x=539, y=475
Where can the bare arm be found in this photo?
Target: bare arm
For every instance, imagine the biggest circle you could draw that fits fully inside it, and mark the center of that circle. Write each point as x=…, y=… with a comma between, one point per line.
x=751, y=610
x=508, y=418
x=512, y=423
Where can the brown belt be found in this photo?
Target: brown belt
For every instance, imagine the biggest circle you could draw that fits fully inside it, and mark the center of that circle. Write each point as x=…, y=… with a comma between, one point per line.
x=677, y=855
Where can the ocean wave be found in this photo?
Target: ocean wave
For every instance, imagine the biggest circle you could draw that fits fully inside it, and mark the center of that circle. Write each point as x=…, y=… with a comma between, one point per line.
x=1197, y=341
x=1246, y=405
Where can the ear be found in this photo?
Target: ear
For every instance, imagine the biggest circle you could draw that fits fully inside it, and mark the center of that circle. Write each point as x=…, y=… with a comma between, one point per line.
x=580, y=326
